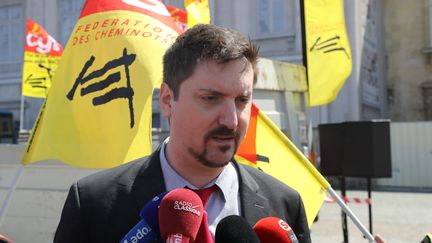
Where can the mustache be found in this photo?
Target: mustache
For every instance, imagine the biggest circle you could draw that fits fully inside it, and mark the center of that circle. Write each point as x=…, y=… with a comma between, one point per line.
x=223, y=131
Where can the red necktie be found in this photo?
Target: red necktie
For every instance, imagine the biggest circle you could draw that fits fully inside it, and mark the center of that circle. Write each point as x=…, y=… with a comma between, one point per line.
x=204, y=235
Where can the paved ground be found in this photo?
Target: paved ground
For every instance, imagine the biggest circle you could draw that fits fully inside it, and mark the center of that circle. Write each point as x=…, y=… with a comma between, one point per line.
x=37, y=203
x=397, y=216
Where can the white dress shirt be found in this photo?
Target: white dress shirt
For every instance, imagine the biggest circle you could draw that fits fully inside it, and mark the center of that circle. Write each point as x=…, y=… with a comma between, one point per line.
x=222, y=202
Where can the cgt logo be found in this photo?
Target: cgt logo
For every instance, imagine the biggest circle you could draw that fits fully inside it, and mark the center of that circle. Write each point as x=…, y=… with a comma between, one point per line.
x=150, y=5
x=139, y=235
x=42, y=46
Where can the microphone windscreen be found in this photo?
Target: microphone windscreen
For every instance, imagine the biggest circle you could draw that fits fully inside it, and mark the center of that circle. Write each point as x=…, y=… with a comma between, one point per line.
x=150, y=213
x=274, y=230
x=141, y=233
x=180, y=212
x=235, y=229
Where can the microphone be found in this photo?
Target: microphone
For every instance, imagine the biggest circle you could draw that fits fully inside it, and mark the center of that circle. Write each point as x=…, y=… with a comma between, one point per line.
x=180, y=216
x=147, y=229
x=427, y=238
x=141, y=232
x=150, y=213
x=274, y=230
x=235, y=229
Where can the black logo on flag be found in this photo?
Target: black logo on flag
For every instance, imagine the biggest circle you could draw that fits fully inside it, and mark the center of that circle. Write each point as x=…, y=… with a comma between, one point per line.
x=262, y=158
x=39, y=83
x=329, y=45
x=115, y=93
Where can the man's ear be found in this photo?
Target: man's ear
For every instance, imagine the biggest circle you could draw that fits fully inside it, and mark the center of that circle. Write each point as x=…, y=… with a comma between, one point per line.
x=166, y=97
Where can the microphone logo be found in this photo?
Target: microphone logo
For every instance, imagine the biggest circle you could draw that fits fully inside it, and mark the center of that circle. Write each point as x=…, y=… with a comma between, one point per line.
x=177, y=238
x=284, y=225
x=186, y=206
x=140, y=234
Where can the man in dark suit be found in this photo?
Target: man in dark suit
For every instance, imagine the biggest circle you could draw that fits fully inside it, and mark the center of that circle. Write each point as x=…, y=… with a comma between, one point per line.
x=209, y=73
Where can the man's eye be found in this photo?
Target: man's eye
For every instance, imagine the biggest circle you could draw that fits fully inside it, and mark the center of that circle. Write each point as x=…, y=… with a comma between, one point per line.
x=209, y=98
x=244, y=100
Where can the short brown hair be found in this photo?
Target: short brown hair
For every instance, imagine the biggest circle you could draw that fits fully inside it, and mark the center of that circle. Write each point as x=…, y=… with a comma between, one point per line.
x=201, y=43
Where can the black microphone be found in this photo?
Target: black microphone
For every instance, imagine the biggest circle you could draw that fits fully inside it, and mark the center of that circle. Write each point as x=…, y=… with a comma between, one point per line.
x=427, y=238
x=235, y=229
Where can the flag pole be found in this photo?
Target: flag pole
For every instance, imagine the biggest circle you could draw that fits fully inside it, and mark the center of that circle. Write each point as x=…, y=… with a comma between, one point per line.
x=8, y=198
x=303, y=37
x=348, y=211
x=22, y=113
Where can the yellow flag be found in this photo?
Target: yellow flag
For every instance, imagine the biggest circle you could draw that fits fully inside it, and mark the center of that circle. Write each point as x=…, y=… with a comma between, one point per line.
x=41, y=57
x=328, y=51
x=98, y=111
x=267, y=148
x=198, y=12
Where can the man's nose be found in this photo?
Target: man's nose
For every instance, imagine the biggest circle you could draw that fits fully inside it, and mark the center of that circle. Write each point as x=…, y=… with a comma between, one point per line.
x=228, y=116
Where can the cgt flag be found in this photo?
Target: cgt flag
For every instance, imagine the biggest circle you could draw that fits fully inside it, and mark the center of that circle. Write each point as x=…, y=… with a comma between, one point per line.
x=198, y=12
x=41, y=57
x=179, y=16
x=267, y=148
x=98, y=112
x=328, y=52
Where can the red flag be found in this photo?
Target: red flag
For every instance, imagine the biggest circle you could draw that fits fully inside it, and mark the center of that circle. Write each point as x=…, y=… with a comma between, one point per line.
x=247, y=148
x=41, y=57
x=179, y=16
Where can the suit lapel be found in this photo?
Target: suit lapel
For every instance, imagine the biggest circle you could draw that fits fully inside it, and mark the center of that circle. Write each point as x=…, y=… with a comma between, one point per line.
x=149, y=181
x=140, y=182
x=254, y=205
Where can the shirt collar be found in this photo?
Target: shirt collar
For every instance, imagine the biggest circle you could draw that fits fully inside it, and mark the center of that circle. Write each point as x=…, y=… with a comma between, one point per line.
x=225, y=181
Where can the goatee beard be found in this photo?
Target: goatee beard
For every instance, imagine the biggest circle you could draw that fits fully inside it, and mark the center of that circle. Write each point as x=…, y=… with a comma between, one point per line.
x=220, y=131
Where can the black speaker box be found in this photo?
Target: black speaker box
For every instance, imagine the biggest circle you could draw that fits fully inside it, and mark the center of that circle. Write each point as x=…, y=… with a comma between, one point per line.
x=356, y=149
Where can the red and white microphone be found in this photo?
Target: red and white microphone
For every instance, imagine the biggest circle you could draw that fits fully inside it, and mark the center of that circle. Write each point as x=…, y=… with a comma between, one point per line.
x=180, y=216
x=274, y=230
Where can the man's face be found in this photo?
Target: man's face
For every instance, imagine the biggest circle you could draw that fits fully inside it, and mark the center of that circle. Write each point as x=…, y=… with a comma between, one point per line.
x=210, y=117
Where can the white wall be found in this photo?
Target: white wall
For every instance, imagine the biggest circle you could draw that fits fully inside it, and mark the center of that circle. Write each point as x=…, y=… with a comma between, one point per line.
x=411, y=152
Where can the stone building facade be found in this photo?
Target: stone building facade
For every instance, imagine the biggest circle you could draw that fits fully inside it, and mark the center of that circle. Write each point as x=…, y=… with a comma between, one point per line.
x=408, y=45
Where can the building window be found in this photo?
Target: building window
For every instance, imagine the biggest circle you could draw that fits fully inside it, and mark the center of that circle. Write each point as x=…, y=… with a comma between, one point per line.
x=273, y=16
x=428, y=42
x=70, y=11
x=11, y=32
x=427, y=99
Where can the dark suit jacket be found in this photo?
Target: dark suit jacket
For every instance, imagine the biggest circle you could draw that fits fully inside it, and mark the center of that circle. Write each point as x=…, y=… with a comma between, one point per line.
x=103, y=207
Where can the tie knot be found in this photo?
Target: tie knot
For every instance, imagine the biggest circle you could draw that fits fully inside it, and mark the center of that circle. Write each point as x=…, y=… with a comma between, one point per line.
x=205, y=193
